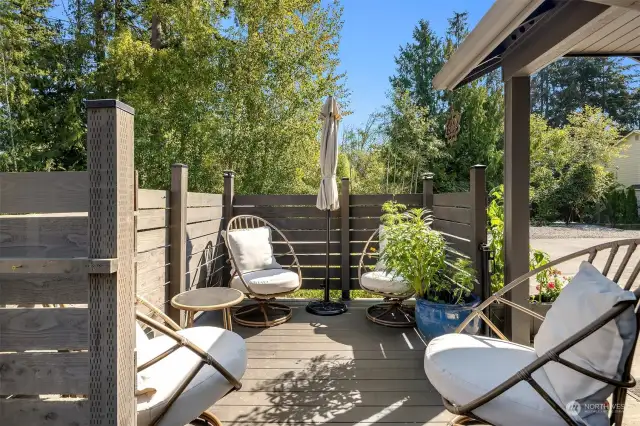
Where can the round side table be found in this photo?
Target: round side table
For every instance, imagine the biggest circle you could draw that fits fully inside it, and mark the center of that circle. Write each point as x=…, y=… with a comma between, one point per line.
x=208, y=299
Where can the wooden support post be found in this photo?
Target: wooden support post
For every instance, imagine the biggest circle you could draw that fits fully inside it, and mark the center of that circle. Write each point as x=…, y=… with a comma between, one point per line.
x=177, y=240
x=112, y=365
x=516, y=202
x=345, y=252
x=478, y=192
x=427, y=190
x=227, y=211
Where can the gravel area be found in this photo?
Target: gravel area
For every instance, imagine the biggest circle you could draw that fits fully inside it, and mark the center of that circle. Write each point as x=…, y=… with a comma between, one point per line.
x=579, y=231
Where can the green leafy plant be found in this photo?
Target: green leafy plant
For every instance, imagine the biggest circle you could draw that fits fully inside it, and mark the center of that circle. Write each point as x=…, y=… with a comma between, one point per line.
x=537, y=258
x=550, y=284
x=416, y=252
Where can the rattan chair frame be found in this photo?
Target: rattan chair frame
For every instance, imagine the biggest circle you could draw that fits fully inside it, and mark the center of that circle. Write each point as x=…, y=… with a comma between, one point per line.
x=392, y=305
x=170, y=329
x=465, y=412
x=264, y=302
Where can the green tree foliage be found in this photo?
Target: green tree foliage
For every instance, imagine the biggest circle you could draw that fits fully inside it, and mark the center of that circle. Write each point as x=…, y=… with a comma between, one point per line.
x=216, y=84
x=569, y=177
x=568, y=84
x=480, y=105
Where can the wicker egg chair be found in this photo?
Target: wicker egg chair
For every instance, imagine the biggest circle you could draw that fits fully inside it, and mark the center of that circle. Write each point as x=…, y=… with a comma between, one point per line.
x=263, y=286
x=392, y=312
x=184, y=371
x=484, y=384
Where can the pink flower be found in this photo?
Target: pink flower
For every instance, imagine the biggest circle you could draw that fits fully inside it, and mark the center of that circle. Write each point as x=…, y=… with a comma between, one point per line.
x=551, y=285
x=538, y=287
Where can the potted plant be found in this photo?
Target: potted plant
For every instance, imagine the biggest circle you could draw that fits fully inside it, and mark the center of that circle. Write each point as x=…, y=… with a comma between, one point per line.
x=415, y=252
x=550, y=284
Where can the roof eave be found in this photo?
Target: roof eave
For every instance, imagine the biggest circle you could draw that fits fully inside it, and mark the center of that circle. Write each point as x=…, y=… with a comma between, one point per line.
x=501, y=19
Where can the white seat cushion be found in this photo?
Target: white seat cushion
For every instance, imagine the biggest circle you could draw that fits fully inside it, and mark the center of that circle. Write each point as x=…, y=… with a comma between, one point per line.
x=207, y=387
x=267, y=282
x=463, y=367
x=384, y=282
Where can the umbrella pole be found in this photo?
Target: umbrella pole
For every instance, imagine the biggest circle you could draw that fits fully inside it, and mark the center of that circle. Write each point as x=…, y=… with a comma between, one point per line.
x=326, y=255
x=326, y=307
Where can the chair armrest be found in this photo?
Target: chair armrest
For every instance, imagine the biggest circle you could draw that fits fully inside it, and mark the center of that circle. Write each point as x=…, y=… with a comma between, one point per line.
x=182, y=341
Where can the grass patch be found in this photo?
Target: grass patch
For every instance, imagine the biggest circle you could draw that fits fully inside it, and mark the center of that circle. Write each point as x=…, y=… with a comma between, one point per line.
x=335, y=294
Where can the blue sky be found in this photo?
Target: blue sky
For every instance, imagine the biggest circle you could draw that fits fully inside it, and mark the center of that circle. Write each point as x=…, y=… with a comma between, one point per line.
x=372, y=34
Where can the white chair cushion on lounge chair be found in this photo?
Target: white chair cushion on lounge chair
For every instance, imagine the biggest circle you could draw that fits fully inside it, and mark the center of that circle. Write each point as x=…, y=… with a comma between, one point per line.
x=252, y=249
x=384, y=282
x=269, y=281
x=463, y=367
x=207, y=387
x=588, y=296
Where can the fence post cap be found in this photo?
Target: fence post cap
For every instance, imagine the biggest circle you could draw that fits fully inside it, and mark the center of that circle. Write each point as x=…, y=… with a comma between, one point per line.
x=109, y=103
x=180, y=165
x=228, y=173
x=345, y=178
x=427, y=175
x=478, y=166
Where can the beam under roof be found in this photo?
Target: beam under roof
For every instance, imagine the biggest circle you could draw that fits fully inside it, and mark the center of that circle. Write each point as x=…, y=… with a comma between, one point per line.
x=524, y=36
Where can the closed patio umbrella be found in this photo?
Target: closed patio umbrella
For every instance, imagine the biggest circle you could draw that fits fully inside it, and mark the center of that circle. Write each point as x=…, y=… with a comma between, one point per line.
x=328, y=195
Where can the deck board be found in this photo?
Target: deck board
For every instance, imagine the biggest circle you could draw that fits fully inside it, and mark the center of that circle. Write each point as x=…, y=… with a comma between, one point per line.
x=342, y=370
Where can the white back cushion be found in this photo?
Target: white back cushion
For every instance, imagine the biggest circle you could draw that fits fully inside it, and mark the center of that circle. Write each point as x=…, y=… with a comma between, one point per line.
x=252, y=249
x=141, y=337
x=582, y=301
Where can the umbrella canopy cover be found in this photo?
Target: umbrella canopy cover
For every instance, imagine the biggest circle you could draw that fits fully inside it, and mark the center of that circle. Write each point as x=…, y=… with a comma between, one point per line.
x=328, y=194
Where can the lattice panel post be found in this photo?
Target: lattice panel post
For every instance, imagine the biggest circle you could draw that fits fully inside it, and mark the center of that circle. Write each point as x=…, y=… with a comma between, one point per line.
x=111, y=236
x=227, y=209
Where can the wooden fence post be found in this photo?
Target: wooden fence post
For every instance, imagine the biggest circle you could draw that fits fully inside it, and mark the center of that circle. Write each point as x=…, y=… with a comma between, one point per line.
x=227, y=210
x=345, y=252
x=177, y=239
x=427, y=190
x=478, y=192
x=112, y=365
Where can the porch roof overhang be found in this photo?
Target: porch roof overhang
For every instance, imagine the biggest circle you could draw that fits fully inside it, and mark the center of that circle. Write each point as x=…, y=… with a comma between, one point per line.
x=524, y=36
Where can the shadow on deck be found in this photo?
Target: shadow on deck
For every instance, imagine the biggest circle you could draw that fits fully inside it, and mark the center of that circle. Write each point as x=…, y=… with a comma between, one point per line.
x=340, y=370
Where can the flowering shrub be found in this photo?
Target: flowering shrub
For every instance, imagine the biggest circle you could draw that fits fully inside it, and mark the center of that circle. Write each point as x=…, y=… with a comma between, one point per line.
x=550, y=284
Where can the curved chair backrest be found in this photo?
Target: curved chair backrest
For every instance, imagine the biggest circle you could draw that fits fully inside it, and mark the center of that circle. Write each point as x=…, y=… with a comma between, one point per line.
x=625, y=266
x=253, y=222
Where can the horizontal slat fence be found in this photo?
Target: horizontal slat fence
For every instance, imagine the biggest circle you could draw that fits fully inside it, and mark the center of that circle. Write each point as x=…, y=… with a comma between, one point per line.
x=460, y=217
x=65, y=285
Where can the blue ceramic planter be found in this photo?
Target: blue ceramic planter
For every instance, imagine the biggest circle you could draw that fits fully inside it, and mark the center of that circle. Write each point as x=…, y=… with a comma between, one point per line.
x=435, y=319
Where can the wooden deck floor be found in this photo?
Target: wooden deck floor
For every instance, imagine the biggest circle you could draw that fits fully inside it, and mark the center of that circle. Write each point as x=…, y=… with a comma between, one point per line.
x=340, y=370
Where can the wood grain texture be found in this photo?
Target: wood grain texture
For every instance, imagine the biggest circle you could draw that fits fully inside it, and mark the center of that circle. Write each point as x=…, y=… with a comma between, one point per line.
x=459, y=244
x=42, y=236
x=43, y=288
x=304, y=223
x=268, y=212
x=452, y=199
x=306, y=235
x=201, y=214
x=152, y=239
x=152, y=280
x=207, y=242
x=301, y=247
x=201, y=229
x=453, y=214
x=275, y=200
x=414, y=200
x=202, y=199
x=44, y=192
x=45, y=328
x=153, y=199
x=33, y=411
x=152, y=259
x=452, y=228
x=152, y=219
x=35, y=373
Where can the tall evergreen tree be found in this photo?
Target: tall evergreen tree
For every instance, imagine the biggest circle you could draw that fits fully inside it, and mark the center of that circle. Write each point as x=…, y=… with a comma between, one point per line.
x=569, y=84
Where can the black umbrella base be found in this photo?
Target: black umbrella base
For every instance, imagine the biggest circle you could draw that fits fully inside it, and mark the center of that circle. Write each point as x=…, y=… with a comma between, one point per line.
x=321, y=308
